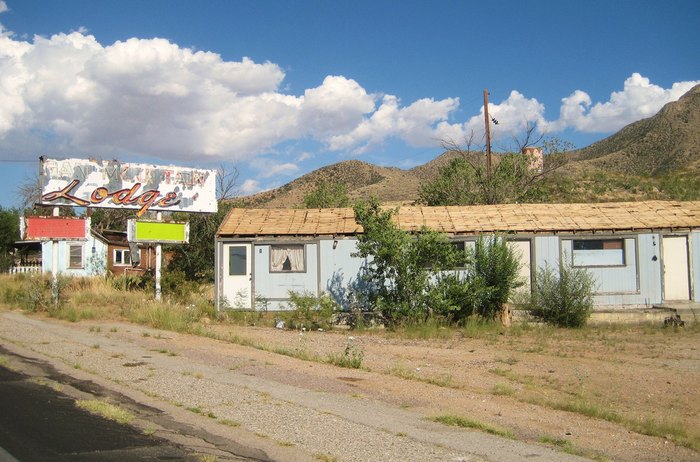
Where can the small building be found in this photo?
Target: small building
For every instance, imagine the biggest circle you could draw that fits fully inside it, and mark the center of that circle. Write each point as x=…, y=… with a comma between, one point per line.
x=80, y=250
x=120, y=255
x=640, y=253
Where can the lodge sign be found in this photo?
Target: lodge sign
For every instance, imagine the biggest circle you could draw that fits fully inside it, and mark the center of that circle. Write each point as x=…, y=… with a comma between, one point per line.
x=111, y=184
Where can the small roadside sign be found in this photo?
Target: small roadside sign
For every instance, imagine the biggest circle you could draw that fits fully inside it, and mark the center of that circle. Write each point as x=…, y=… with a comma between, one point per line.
x=158, y=232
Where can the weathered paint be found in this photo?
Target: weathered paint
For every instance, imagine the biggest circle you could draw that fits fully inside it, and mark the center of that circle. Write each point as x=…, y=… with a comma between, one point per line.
x=111, y=184
x=335, y=271
x=94, y=263
x=47, y=228
x=275, y=287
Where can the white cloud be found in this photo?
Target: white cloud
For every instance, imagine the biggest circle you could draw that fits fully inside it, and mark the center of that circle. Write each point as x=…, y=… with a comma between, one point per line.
x=250, y=187
x=639, y=99
x=304, y=156
x=3, y=6
x=423, y=123
x=150, y=97
x=269, y=168
x=514, y=115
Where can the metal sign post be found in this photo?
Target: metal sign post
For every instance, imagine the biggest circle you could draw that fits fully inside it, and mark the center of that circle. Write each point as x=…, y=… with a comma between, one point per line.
x=158, y=233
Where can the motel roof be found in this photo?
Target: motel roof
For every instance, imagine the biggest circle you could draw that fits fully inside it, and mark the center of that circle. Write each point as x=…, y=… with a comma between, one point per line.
x=470, y=220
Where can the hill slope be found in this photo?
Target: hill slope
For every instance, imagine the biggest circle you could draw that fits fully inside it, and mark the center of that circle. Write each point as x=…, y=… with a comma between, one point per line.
x=666, y=143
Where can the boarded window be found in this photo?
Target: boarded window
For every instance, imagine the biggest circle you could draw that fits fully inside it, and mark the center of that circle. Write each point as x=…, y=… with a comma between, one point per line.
x=75, y=256
x=287, y=258
x=237, y=264
x=599, y=252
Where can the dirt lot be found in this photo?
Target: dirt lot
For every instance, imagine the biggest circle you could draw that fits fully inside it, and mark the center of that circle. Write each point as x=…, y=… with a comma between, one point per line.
x=606, y=393
x=598, y=392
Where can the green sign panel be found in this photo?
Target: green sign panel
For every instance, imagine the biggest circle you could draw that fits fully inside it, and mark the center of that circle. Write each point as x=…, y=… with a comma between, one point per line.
x=156, y=231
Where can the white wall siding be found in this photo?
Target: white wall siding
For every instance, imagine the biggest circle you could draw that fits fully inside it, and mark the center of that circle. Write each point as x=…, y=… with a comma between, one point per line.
x=695, y=263
x=94, y=263
x=275, y=287
x=546, y=252
x=339, y=270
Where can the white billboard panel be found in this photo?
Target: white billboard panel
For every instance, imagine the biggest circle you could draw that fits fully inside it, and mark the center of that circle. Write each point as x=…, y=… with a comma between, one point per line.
x=112, y=184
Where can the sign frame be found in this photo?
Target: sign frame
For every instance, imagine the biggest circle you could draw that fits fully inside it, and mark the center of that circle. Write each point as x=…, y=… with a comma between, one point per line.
x=113, y=184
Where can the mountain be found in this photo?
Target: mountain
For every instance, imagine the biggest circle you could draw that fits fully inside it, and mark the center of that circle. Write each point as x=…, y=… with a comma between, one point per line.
x=661, y=144
x=665, y=144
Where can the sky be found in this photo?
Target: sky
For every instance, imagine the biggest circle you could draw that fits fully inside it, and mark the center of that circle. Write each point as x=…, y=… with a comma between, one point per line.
x=276, y=89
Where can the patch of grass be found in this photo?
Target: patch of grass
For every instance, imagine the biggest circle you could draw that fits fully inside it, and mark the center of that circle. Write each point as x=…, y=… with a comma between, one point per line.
x=195, y=409
x=106, y=410
x=456, y=421
x=502, y=389
x=5, y=363
x=444, y=380
x=325, y=457
x=165, y=351
x=350, y=358
x=229, y=423
x=206, y=458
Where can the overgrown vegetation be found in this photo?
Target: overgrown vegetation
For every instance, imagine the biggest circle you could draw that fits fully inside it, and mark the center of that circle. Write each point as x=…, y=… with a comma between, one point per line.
x=311, y=312
x=514, y=177
x=9, y=233
x=457, y=421
x=562, y=298
x=327, y=195
x=415, y=277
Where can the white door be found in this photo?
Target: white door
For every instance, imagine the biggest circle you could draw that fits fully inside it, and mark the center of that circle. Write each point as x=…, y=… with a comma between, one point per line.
x=237, y=276
x=675, y=259
x=522, y=251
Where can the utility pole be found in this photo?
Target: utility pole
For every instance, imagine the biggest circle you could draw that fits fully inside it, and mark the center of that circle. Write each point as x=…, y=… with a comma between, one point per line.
x=488, y=132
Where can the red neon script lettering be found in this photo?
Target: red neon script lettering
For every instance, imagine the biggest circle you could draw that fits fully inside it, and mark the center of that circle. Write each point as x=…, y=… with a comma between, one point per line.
x=63, y=194
x=121, y=197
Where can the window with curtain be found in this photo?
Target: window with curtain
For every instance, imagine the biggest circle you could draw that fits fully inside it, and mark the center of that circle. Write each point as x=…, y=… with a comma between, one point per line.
x=75, y=256
x=287, y=258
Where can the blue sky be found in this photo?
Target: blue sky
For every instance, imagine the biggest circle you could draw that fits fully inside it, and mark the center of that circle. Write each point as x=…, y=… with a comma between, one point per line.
x=280, y=88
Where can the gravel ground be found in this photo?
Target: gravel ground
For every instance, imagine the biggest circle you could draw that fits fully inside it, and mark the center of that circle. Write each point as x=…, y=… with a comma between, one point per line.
x=230, y=394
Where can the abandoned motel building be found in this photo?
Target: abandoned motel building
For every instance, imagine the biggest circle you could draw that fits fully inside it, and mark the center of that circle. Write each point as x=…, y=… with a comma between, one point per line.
x=642, y=255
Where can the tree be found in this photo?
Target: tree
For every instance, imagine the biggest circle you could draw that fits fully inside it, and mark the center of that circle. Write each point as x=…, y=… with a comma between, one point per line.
x=465, y=180
x=226, y=182
x=9, y=233
x=327, y=195
x=412, y=277
x=196, y=259
x=398, y=274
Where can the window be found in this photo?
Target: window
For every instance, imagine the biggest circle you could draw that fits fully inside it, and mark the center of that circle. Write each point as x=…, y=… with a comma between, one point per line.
x=75, y=255
x=287, y=259
x=599, y=252
x=122, y=257
x=237, y=260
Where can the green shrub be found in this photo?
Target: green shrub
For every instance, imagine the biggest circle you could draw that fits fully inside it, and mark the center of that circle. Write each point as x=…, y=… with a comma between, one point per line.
x=351, y=357
x=563, y=299
x=311, y=312
x=496, y=269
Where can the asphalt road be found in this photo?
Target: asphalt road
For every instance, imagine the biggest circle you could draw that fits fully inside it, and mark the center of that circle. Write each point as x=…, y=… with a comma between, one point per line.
x=37, y=423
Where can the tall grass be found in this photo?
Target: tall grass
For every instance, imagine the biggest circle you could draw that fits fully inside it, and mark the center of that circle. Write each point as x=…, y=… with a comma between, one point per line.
x=105, y=298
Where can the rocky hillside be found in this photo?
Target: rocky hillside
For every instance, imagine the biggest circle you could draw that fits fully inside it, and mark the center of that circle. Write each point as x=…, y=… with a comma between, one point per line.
x=667, y=143
x=661, y=144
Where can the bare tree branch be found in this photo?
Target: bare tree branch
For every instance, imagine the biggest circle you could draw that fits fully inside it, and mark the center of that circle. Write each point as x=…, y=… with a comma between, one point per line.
x=226, y=182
